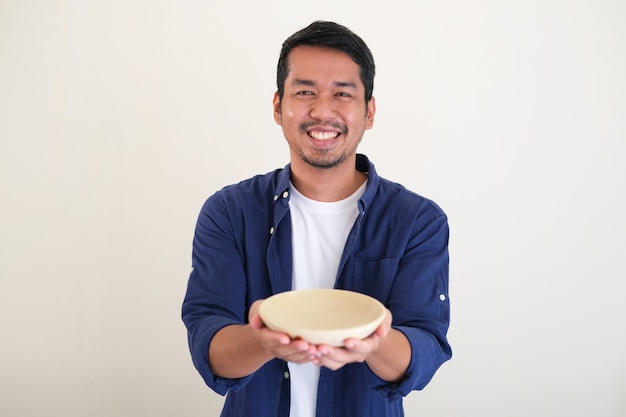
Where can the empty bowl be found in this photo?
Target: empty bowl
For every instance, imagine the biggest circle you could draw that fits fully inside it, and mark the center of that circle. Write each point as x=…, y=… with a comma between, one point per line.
x=324, y=316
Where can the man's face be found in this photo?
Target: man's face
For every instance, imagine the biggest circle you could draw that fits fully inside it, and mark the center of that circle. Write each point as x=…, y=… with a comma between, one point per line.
x=323, y=111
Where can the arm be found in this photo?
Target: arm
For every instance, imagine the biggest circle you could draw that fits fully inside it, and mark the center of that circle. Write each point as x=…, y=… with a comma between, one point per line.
x=235, y=353
x=238, y=350
x=391, y=360
x=215, y=301
x=410, y=276
x=387, y=352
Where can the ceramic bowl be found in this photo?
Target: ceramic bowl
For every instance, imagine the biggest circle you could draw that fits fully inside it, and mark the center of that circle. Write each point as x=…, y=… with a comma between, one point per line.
x=325, y=316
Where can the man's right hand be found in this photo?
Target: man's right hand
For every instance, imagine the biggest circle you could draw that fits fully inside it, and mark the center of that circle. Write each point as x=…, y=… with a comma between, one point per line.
x=277, y=344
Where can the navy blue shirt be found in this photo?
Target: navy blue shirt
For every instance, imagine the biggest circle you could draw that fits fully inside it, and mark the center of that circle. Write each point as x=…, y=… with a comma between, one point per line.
x=396, y=252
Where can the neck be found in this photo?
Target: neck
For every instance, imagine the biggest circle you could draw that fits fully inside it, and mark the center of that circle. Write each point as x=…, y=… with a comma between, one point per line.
x=327, y=184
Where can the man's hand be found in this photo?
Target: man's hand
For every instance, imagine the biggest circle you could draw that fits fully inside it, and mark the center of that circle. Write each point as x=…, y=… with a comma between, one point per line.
x=386, y=351
x=277, y=344
x=354, y=350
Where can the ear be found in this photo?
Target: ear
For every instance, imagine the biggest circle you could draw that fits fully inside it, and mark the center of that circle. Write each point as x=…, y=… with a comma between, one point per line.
x=371, y=111
x=276, y=103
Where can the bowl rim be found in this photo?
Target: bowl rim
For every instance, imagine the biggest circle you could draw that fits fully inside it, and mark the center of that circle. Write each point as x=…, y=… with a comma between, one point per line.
x=334, y=336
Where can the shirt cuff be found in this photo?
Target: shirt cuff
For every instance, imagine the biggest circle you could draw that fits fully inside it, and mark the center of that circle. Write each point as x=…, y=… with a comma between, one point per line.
x=200, y=356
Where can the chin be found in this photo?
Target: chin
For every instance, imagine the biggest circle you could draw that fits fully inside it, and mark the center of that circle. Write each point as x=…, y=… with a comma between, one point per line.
x=324, y=163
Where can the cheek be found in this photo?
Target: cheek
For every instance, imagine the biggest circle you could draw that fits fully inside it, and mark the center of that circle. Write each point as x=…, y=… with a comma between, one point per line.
x=288, y=113
x=288, y=118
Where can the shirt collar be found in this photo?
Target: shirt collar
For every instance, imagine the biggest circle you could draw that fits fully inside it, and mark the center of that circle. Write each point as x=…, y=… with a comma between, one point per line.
x=363, y=164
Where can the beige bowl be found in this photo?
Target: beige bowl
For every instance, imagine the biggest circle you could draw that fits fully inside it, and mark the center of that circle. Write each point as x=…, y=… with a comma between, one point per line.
x=322, y=316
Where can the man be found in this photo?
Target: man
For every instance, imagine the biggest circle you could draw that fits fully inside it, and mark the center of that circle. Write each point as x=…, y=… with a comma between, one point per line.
x=327, y=220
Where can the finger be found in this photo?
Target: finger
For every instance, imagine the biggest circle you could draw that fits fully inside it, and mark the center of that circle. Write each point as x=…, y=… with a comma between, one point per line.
x=334, y=356
x=267, y=338
x=298, y=357
x=256, y=322
x=382, y=330
x=362, y=346
x=336, y=360
x=275, y=338
x=254, y=308
x=297, y=351
x=385, y=326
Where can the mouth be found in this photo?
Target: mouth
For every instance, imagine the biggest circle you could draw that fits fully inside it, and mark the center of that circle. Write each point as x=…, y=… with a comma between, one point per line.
x=323, y=131
x=322, y=135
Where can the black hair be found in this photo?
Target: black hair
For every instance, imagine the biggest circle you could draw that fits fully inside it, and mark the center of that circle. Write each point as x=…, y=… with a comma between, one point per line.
x=329, y=35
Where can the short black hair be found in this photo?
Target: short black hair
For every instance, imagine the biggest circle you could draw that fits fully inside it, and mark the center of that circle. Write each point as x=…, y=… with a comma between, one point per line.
x=329, y=35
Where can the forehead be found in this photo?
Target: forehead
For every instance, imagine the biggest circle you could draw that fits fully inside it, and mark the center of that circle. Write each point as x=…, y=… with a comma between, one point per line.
x=314, y=62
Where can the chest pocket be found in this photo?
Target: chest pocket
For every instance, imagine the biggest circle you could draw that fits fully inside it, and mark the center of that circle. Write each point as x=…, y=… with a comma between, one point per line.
x=375, y=278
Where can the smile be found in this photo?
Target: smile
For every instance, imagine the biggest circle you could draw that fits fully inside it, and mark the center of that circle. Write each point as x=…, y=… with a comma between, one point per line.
x=323, y=135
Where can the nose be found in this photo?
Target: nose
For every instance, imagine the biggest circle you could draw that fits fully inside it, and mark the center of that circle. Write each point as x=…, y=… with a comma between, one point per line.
x=323, y=107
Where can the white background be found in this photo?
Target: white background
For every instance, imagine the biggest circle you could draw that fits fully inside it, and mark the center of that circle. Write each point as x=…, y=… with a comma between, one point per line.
x=119, y=118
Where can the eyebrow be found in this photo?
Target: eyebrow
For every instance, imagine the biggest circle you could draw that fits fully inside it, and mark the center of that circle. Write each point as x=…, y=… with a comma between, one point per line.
x=310, y=83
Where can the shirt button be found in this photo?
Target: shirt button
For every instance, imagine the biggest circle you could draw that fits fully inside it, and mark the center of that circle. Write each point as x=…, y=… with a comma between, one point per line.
x=286, y=194
x=286, y=374
x=272, y=230
x=276, y=197
x=442, y=297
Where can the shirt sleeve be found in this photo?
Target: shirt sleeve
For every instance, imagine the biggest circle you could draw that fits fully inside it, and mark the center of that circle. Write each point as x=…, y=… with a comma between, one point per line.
x=420, y=304
x=215, y=295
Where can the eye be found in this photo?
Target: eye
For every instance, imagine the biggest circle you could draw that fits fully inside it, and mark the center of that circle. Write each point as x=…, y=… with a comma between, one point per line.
x=304, y=93
x=343, y=94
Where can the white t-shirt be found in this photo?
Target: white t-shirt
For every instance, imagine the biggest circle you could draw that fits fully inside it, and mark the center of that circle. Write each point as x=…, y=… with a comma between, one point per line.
x=319, y=234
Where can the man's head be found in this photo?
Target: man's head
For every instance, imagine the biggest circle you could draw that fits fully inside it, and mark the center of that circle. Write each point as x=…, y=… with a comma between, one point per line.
x=334, y=36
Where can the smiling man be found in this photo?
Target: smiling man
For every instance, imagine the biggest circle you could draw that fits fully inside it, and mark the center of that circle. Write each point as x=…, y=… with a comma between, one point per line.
x=326, y=220
x=323, y=113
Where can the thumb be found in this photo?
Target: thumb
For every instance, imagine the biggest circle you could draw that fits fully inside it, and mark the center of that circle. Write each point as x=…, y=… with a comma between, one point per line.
x=256, y=322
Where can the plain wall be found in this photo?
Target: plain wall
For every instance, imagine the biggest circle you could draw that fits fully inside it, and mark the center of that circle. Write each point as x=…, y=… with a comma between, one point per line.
x=119, y=118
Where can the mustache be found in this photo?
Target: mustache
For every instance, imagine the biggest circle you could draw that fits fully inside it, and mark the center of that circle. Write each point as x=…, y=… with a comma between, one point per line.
x=304, y=126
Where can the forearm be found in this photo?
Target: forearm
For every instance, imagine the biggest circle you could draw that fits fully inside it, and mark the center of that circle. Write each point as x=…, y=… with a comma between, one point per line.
x=235, y=353
x=391, y=360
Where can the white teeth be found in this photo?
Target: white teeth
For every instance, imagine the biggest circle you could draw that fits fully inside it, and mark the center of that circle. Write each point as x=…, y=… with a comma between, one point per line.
x=323, y=135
